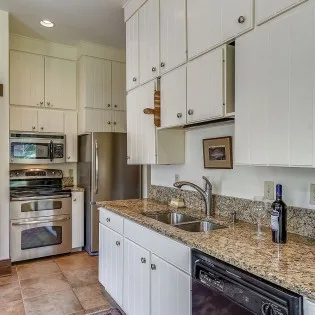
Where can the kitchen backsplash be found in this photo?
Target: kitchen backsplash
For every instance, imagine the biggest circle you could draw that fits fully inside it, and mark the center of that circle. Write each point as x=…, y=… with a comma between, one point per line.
x=67, y=181
x=300, y=220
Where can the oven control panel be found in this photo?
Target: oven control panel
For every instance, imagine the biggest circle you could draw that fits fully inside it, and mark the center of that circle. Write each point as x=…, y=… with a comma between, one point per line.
x=35, y=174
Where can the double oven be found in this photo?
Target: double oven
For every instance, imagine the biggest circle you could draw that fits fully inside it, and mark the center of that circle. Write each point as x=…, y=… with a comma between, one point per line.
x=40, y=214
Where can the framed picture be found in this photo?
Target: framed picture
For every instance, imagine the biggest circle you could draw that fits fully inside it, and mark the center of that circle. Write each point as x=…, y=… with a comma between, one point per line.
x=217, y=153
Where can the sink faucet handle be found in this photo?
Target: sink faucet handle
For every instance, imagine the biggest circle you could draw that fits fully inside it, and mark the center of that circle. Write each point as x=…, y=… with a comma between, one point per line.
x=208, y=185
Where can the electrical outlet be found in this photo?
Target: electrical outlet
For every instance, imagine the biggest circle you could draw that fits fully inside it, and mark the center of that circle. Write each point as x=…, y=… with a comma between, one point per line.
x=176, y=178
x=269, y=190
x=312, y=194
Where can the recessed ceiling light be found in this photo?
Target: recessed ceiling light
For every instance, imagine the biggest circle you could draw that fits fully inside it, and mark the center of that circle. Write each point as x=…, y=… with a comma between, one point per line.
x=47, y=23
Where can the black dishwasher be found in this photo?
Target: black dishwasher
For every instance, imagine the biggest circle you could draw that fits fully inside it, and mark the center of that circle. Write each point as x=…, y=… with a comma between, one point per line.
x=221, y=289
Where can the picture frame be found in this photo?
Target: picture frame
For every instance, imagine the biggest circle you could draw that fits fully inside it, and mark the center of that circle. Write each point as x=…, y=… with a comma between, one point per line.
x=218, y=153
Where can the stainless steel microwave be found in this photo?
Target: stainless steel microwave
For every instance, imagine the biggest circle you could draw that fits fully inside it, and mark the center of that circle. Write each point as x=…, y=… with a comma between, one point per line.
x=37, y=148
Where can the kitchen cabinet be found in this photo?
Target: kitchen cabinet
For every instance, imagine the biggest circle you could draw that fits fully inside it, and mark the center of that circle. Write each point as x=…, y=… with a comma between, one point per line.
x=95, y=81
x=71, y=131
x=170, y=289
x=77, y=220
x=149, y=39
x=173, y=98
x=173, y=44
x=111, y=262
x=268, y=9
x=274, y=97
x=212, y=23
x=132, y=52
x=26, y=79
x=60, y=83
x=118, y=86
x=50, y=121
x=309, y=307
x=23, y=119
x=119, y=123
x=137, y=275
x=210, y=85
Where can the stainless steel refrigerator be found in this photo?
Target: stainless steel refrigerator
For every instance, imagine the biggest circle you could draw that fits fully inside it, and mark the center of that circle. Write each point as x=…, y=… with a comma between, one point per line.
x=105, y=175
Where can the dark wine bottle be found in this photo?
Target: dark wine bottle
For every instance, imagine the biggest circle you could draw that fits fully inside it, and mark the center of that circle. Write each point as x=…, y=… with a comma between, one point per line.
x=279, y=218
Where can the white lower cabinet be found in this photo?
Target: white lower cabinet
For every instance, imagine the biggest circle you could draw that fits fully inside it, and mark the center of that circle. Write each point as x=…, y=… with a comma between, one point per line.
x=136, y=297
x=77, y=220
x=170, y=289
x=309, y=307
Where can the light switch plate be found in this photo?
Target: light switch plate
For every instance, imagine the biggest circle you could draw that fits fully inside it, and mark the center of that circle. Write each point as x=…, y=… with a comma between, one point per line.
x=312, y=194
x=269, y=190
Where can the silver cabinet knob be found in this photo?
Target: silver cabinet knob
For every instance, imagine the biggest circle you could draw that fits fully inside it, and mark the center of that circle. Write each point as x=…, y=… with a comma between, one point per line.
x=69, y=157
x=108, y=105
x=118, y=243
x=153, y=69
x=40, y=104
x=190, y=112
x=134, y=79
x=74, y=200
x=153, y=266
x=33, y=127
x=107, y=219
x=48, y=103
x=143, y=260
x=179, y=115
x=41, y=128
x=115, y=123
x=241, y=19
x=128, y=157
x=162, y=64
x=108, y=123
x=115, y=106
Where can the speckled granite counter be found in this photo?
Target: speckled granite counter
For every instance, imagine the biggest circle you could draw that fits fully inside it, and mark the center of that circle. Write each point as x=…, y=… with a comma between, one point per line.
x=291, y=266
x=74, y=188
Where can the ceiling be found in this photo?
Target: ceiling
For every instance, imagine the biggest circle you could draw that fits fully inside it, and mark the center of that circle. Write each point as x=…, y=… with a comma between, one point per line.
x=96, y=21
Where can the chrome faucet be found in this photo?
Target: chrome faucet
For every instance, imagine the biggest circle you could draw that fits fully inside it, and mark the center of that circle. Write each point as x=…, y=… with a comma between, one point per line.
x=206, y=193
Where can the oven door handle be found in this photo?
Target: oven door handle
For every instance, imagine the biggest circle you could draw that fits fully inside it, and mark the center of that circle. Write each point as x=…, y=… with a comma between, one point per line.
x=41, y=198
x=96, y=167
x=39, y=222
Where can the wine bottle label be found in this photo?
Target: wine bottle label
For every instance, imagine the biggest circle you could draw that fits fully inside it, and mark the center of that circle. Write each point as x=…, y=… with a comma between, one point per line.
x=275, y=221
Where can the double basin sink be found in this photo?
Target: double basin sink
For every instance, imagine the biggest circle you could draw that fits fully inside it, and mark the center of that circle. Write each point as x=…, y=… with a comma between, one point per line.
x=184, y=222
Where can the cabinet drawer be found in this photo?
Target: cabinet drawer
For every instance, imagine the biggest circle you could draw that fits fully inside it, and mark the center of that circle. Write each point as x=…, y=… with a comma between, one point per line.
x=173, y=252
x=112, y=220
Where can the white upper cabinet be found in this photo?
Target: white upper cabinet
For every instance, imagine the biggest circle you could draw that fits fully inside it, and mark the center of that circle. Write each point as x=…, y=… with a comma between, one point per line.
x=149, y=39
x=119, y=123
x=173, y=98
x=212, y=23
x=23, y=119
x=274, y=92
x=71, y=131
x=26, y=79
x=173, y=34
x=50, y=121
x=267, y=9
x=132, y=52
x=60, y=83
x=118, y=86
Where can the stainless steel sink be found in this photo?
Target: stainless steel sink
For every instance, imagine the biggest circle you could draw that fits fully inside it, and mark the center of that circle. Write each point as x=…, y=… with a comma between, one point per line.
x=172, y=218
x=200, y=226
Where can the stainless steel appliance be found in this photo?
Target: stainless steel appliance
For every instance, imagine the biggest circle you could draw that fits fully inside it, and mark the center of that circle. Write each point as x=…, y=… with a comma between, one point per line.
x=105, y=175
x=219, y=288
x=37, y=148
x=40, y=214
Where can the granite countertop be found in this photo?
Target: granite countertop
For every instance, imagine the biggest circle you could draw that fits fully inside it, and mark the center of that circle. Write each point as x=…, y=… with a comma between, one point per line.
x=74, y=188
x=291, y=266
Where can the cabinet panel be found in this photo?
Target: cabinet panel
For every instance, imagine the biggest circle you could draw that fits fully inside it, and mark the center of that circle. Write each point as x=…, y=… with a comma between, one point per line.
x=205, y=87
x=173, y=33
x=118, y=86
x=50, y=121
x=107, y=121
x=60, y=83
x=132, y=51
x=26, y=79
x=170, y=289
x=119, y=122
x=23, y=119
x=149, y=40
x=94, y=120
x=173, y=98
x=309, y=307
x=71, y=131
x=136, y=296
x=77, y=219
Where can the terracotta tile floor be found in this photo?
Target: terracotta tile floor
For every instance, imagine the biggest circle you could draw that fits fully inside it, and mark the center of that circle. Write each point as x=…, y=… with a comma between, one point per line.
x=58, y=285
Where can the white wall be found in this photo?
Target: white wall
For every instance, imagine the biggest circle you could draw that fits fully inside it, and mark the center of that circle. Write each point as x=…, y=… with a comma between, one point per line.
x=4, y=139
x=242, y=181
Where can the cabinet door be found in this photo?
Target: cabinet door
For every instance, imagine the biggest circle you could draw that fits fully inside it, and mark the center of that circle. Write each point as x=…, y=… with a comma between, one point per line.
x=26, y=79
x=71, y=131
x=237, y=18
x=205, y=87
x=173, y=98
x=118, y=86
x=173, y=33
x=119, y=121
x=77, y=219
x=309, y=307
x=94, y=120
x=111, y=262
x=149, y=39
x=60, y=83
x=137, y=275
x=50, y=121
x=267, y=9
x=132, y=51
x=23, y=119
x=203, y=25
x=107, y=121
x=170, y=289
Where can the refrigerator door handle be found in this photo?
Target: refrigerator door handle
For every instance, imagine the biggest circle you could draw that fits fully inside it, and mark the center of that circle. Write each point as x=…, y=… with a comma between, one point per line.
x=96, y=168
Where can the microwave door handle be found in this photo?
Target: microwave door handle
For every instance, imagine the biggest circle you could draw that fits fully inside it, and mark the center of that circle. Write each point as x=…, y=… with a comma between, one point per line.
x=51, y=150
x=39, y=222
x=96, y=167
